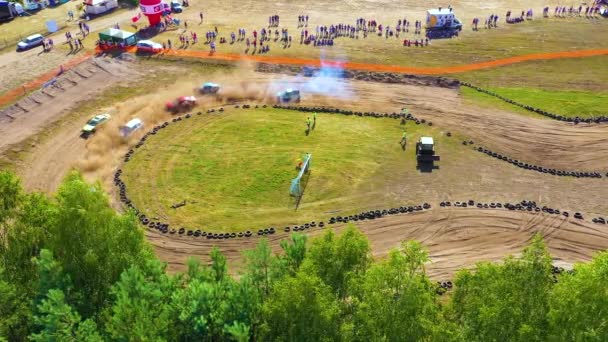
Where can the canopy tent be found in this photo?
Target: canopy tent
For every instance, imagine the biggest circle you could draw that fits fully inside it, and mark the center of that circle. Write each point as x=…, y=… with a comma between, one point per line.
x=118, y=36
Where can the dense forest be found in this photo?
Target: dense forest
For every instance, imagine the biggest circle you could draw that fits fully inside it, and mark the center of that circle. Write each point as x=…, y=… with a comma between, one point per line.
x=72, y=269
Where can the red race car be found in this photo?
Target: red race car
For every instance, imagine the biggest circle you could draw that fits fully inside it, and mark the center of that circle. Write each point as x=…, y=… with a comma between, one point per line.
x=181, y=104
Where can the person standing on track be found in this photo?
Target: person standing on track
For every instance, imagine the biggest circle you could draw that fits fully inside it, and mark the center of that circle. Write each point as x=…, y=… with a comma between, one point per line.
x=403, y=140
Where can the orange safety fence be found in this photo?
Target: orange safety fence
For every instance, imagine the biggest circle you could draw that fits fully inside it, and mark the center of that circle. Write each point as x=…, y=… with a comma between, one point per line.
x=389, y=68
x=15, y=93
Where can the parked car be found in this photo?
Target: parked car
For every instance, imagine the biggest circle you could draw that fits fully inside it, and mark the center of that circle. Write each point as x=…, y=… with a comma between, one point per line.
x=30, y=42
x=149, y=46
x=95, y=122
x=131, y=127
x=8, y=10
x=176, y=6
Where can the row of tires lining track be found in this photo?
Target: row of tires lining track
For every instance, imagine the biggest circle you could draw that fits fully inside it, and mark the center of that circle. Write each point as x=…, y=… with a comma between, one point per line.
x=443, y=286
x=550, y=171
x=576, y=120
x=165, y=228
x=523, y=165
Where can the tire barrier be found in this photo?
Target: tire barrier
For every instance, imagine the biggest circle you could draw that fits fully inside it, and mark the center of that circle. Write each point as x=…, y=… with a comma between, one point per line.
x=550, y=171
x=347, y=112
x=443, y=286
x=576, y=120
x=369, y=76
x=165, y=228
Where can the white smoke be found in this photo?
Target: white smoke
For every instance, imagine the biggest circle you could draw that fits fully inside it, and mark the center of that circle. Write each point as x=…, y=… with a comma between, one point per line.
x=328, y=80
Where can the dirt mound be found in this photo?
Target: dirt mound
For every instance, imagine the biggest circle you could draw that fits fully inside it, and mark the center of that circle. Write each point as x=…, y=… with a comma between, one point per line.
x=381, y=77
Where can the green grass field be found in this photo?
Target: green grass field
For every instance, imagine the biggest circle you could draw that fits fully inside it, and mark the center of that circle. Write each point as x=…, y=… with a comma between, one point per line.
x=22, y=27
x=567, y=103
x=234, y=169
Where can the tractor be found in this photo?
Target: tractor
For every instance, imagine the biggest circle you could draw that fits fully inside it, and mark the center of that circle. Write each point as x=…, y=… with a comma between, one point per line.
x=425, y=151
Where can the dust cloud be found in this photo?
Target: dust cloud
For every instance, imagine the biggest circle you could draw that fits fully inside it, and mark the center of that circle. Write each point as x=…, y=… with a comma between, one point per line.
x=106, y=148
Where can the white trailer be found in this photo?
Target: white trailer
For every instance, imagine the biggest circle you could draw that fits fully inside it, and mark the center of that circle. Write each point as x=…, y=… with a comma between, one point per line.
x=97, y=7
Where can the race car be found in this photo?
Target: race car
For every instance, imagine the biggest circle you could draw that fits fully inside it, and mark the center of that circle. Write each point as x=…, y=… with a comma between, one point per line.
x=182, y=103
x=209, y=88
x=95, y=122
x=289, y=95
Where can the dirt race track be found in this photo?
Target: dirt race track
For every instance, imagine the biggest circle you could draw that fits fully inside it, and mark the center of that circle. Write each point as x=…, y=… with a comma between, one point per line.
x=456, y=237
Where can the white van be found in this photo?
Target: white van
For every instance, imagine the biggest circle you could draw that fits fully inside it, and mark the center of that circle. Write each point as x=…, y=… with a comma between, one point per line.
x=131, y=127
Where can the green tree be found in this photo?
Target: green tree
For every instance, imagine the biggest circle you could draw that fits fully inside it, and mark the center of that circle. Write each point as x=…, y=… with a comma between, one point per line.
x=301, y=308
x=211, y=302
x=295, y=252
x=238, y=331
x=396, y=301
x=336, y=260
x=23, y=224
x=579, y=303
x=141, y=308
x=93, y=243
x=15, y=311
x=10, y=196
x=50, y=277
x=262, y=268
x=506, y=302
x=59, y=322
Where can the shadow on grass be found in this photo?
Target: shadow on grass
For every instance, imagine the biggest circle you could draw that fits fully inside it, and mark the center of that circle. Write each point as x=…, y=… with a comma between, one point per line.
x=303, y=184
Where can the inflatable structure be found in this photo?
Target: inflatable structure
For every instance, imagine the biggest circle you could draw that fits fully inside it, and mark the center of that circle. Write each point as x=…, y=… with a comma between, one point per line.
x=153, y=10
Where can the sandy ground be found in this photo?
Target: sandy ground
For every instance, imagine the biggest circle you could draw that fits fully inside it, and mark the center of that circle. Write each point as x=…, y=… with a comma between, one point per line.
x=456, y=237
x=51, y=158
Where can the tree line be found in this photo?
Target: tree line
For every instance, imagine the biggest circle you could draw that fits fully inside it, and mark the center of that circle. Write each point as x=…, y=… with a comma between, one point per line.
x=72, y=269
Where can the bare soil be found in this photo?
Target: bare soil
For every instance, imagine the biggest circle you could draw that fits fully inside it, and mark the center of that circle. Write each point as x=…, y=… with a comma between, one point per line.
x=49, y=161
x=456, y=237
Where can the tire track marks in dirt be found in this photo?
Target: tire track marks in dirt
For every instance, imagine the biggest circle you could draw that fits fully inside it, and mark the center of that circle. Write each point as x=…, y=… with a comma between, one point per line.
x=456, y=238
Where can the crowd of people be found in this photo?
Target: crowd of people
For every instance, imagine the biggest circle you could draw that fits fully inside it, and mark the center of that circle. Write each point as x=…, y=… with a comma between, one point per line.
x=259, y=41
x=563, y=11
x=75, y=41
x=273, y=21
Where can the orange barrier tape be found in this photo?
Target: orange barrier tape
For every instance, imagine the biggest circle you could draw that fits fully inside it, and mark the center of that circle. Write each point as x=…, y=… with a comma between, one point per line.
x=15, y=93
x=11, y=95
x=389, y=68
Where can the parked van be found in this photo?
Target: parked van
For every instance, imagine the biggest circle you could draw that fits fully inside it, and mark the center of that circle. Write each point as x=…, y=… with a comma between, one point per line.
x=97, y=7
x=8, y=11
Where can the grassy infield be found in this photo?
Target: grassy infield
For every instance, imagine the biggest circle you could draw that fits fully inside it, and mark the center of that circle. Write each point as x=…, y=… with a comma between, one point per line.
x=234, y=169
